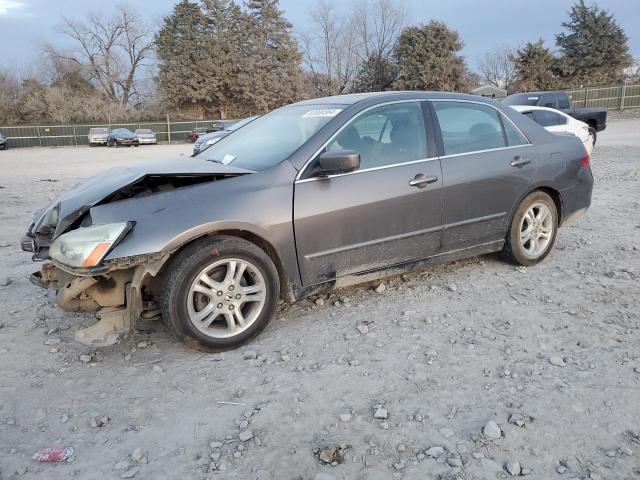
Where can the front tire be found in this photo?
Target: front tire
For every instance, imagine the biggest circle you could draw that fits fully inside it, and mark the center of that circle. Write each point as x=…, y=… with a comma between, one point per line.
x=533, y=230
x=220, y=292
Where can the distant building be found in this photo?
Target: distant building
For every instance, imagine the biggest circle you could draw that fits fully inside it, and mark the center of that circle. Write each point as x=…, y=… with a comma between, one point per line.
x=490, y=91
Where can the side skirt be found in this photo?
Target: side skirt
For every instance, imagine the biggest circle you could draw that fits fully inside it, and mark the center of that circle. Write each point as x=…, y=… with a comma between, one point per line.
x=398, y=269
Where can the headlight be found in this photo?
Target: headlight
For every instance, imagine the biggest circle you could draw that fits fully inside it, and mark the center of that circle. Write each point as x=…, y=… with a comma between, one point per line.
x=86, y=247
x=213, y=140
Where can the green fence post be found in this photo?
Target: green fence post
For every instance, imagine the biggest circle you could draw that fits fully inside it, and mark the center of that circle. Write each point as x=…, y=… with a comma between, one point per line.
x=75, y=137
x=168, y=129
x=39, y=137
x=622, y=92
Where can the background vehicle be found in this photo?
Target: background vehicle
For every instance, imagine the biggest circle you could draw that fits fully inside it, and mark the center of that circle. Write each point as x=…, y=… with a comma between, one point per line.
x=309, y=197
x=205, y=141
x=146, y=136
x=193, y=135
x=122, y=136
x=98, y=136
x=4, y=143
x=596, y=118
x=557, y=122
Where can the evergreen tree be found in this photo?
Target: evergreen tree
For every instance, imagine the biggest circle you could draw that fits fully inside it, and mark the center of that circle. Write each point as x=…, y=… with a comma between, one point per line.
x=537, y=68
x=428, y=59
x=377, y=73
x=275, y=57
x=595, y=47
x=180, y=50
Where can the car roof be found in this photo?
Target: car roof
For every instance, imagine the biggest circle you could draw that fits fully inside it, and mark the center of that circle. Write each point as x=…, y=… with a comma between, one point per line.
x=353, y=98
x=527, y=108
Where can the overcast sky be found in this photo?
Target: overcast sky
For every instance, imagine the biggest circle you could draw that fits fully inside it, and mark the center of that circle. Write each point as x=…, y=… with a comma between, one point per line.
x=483, y=24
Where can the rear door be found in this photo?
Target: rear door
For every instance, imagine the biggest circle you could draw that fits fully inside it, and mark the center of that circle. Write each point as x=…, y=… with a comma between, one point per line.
x=487, y=165
x=387, y=212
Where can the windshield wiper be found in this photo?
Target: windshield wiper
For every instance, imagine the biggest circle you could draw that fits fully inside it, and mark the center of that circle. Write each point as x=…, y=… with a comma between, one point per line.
x=213, y=160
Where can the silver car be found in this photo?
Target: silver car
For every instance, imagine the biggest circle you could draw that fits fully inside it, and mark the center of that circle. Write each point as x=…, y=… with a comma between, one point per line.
x=146, y=136
x=98, y=136
x=310, y=197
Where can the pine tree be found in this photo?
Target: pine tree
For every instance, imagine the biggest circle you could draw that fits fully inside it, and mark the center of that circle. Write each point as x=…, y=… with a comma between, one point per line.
x=595, y=48
x=428, y=59
x=537, y=68
x=377, y=73
x=180, y=50
x=275, y=57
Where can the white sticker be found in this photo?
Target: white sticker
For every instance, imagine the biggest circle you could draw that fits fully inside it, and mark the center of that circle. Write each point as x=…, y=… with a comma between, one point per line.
x=227, y=159
x=532, y=98
x=322, y=112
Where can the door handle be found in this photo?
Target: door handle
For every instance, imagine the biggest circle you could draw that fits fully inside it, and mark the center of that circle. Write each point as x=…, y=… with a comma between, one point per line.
x=519, y=161
x=422, y=181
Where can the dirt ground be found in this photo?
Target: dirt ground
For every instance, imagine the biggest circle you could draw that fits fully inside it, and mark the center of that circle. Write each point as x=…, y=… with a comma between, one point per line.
x=393, y=384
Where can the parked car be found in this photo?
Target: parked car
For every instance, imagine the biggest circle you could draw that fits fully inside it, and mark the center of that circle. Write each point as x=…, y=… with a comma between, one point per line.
x=309, y=197
x=4, y=143
x=98, y=136
x=596, y=118
x=205, y=141
x=193, y=135
x=122, y=136
x=146, y=136
x=557, y=122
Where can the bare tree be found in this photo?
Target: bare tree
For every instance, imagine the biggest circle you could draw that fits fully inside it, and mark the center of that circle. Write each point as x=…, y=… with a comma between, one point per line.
x=329, y=48
x=110, y=50
x=378, y=24
x=498, y=67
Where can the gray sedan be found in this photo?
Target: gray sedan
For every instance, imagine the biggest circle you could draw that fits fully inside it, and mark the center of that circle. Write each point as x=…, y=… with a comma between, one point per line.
x=310, y=197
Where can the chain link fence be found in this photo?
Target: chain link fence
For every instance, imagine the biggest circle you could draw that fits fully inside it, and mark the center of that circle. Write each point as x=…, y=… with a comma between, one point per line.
x=73, y=135
x=615, y=97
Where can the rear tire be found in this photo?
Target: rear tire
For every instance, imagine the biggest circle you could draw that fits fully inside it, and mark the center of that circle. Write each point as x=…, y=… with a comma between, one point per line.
x=594, y=136
x=220, y=292
x=533, y=230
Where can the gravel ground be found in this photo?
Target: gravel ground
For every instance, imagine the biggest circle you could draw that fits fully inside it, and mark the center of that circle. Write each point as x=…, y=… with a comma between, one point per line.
x=469, y=370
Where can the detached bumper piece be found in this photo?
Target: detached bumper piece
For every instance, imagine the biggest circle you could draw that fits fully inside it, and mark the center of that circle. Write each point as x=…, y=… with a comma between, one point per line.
x=115, y=296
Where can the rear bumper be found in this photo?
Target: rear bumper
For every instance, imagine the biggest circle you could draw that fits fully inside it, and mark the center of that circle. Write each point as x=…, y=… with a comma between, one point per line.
x=577, y=199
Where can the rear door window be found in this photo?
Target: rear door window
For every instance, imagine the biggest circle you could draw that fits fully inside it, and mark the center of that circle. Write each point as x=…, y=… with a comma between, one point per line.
x=563, y=101
x=549, y=119
x=548, y=100
x=469, y=127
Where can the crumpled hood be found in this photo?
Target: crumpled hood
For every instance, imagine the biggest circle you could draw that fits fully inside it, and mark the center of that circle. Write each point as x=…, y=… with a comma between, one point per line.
x=71, y=205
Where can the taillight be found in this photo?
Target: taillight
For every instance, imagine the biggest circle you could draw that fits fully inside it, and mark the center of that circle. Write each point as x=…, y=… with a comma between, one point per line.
x=586, y=161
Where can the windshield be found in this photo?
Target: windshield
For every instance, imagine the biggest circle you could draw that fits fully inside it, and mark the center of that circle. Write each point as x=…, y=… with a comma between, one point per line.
x=521, y=99
x=240, y=123
x=143, y=130
x=99, y=130
x=270, y=139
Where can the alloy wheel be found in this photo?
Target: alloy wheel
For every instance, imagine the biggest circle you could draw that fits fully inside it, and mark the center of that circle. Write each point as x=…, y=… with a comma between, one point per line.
x=536, y=230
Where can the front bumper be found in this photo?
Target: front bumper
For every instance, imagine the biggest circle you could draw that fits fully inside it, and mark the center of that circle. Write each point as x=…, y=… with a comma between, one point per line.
x=148, y=141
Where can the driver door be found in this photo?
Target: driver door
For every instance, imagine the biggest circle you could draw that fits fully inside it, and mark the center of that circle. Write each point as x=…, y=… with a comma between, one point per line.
x=387, y=212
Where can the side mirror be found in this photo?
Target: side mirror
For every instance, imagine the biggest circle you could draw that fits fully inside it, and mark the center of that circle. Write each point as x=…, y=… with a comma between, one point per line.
x=336, y=162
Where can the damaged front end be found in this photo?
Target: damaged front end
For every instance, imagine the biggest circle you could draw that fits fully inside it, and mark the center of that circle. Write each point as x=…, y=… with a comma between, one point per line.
x=119, y=293
x=81, y=235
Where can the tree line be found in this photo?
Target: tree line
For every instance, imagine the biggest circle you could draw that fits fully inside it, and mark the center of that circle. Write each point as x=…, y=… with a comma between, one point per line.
x=224, y=58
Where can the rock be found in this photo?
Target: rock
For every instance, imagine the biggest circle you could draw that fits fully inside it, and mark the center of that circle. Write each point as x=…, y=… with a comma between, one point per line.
x=610, y=453
x=245, y=435
x=99, y=422
x=556, y=360
x=85, y=358
x=130, y=473
x=434, y=452
x=158, y=369
x=363, y=329
x=492, y=430
x=51, y=341
x=138, y=456
x=513, y=468
x=319, y=302
x=345, y=417
x=144, y=344
x=381, y=413
x=330, y=455
x=5, y=281
x=452, y=287
x=381, y=288
x=454, y=461
x=54, y=350
x=526, y=471
x=250, y=355
x=561, y=469
x=402, y=447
